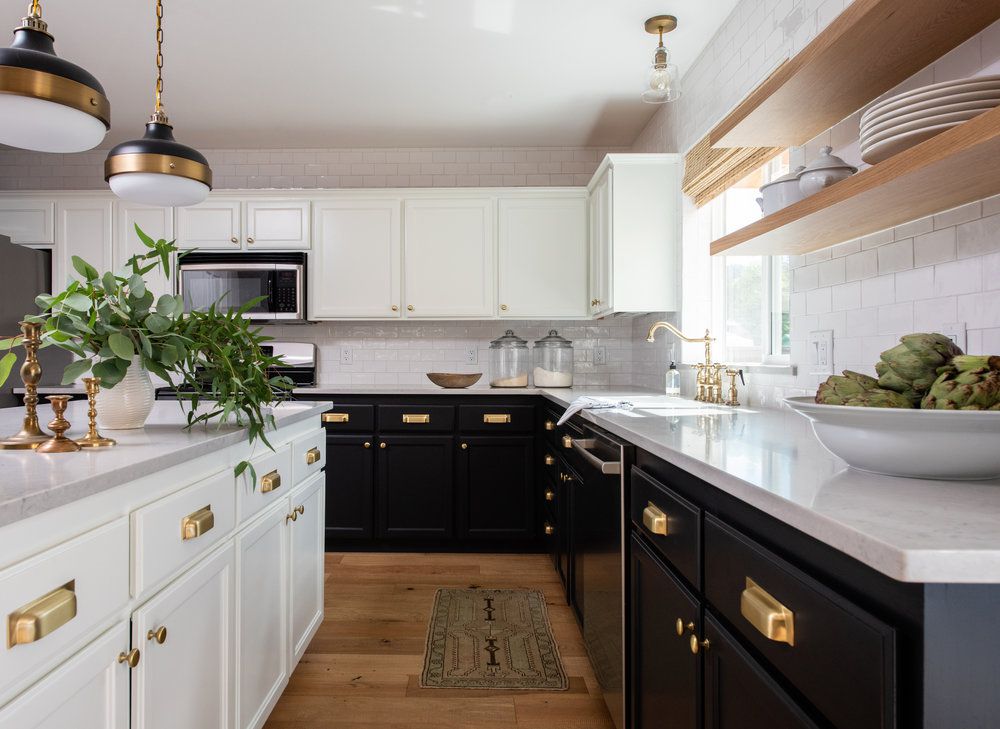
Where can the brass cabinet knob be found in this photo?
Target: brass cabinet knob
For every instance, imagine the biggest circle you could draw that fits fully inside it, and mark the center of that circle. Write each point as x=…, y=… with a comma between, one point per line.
x=409, y=307
x=697, y=645
x=680, y=626
x=565, y=477
x=394, y=307
x=549, y=425
x=291, y=517
x=503, y=307
x=159, y=635
x=131, y=658
x=300, y=509
x=235, y=240
x=549, y=459
x=549, y=529
x=382, y=445
x=465, y=446
x=367, y=444
x=595, y=302
x=550, y=495
x=250, y=239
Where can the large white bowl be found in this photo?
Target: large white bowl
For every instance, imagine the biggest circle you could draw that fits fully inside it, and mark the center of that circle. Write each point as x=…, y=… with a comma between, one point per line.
x=957, y=445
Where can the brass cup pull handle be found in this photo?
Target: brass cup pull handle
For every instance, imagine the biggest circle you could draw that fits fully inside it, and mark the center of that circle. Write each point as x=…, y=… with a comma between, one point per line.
x=496, y=418
x=567, y=441
x=195, y=524
x=159, y=635
x=549, y=529
x=312, y=456
x=772, y=619
x=697, y=645
x=550, y=495
x=549, y=460
x=131, y=658
x=655, y=519
x=40, y=617
x=418, y=418
x=550, y=425
x=270, y=481
x=336, y=417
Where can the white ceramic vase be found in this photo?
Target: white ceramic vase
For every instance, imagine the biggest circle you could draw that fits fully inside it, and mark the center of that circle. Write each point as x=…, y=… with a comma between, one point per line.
x=127, y=404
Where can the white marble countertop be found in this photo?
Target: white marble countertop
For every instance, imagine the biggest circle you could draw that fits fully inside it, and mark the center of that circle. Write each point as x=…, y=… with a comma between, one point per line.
x=912, y=530
x=31, y=483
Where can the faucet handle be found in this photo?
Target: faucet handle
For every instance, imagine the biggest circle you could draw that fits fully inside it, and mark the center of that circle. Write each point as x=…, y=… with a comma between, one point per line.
x=733, y=400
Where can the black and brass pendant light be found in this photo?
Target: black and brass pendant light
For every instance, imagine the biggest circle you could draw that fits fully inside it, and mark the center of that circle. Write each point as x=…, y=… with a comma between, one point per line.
x=157, y=169
x=664, y=83
x=48, y=104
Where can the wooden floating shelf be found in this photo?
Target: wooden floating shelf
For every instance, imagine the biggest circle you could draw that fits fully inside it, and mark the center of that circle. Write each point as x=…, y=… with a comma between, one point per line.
x=958, y=166
x=867, y=50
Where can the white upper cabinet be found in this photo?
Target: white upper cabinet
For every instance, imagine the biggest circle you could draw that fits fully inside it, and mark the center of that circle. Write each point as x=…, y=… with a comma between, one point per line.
x=449, y=248
x=354, y=270
x=634, y=212
x=84, y=229
x=215, y=223
x=543, y=256
x=157, y=223
x=277, y=224
x=29, y=221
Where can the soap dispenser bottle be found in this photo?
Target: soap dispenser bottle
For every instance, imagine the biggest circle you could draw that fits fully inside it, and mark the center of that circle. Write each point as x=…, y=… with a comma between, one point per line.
x=673, y=380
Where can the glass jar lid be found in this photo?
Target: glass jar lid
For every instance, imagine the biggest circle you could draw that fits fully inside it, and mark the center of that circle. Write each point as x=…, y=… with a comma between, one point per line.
x=554, y=340
x=509, y=341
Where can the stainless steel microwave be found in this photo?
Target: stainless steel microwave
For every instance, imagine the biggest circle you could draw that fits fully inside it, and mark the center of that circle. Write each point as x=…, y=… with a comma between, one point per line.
x=230, y=280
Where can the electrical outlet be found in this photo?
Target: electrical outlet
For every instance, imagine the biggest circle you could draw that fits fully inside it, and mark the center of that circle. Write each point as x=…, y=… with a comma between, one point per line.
x=956, y=332
x=821, y=352
x=471, y=355
x=600, y=355
x=346, y=355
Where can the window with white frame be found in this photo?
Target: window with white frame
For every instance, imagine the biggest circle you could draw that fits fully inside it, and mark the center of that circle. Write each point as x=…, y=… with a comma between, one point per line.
x=750, y=294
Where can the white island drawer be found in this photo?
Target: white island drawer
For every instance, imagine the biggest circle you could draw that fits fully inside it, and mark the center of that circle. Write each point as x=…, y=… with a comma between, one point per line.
x=175, y=530
x=308, y=455
x=274, y=480
x=49, y=603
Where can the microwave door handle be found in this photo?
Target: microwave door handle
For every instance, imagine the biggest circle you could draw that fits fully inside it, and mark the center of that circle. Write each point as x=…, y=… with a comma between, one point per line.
x=272, y=305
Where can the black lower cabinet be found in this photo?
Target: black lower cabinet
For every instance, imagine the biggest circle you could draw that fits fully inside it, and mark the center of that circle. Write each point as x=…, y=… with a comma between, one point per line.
x=739, y=693
x=666, y=681
x=350, y=487
x=496, y=487
x=415, y=486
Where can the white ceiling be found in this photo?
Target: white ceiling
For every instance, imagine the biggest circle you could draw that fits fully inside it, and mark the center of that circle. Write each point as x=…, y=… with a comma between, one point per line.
x=378, y=73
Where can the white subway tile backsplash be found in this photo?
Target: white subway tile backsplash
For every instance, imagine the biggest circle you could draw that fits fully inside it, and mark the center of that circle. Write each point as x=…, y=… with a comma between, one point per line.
x=958, y=277
x=862, y=265
x=859, y=322
x=878, y=291
x=845, y=249
x=979, y=311
x=896, y=256
x=930, y=314
x=818, y=301
x=806, y=278
x=935, y=247
x=876, y=239
x=832, y=272
x=844, y=297
x=978, y=237
x=895, y=318
x=915, y=228
x=915, y=284
x=958, y=215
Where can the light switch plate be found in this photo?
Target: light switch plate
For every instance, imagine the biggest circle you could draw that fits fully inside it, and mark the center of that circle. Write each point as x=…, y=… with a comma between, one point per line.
x=600, y=355
x=821, y=352
x=957, y=332
x=471, y=355
x=346, y=355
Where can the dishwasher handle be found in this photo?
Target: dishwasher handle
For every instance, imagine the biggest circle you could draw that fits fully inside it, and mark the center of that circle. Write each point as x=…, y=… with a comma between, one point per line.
x=583, y=446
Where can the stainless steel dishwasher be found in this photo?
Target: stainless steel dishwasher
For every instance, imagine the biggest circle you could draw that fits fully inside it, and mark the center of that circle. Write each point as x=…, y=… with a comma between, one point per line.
x=597, y=509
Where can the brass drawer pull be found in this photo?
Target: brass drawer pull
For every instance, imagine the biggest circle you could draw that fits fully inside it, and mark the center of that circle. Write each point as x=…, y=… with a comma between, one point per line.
x=549, y=529
x=655, y=520
x=772, y=619
x=159, y=635
x=550, y=425
x=40, y=617
x=416, y=417
x=496, y=418
x=312, y=456
x=550, y=495
x=549, y=460
x=567, y=441
x=131, y=658
x=270, y=481
x=195, y=524
x=336, y=417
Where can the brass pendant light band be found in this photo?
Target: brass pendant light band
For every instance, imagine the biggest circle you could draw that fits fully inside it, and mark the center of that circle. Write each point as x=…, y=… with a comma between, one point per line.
x=164, y=164
x=57, y=89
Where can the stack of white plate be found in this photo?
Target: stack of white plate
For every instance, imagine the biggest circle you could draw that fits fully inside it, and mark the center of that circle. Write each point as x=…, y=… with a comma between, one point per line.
x=905, y=120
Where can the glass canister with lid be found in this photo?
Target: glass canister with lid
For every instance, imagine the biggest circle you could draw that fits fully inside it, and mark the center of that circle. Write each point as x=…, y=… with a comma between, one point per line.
x=553, y=361
x=509, y=361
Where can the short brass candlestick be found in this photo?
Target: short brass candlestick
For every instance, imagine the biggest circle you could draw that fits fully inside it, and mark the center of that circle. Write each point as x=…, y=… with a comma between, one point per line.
x=58, y=443
x=31, y=372
x=93, y=439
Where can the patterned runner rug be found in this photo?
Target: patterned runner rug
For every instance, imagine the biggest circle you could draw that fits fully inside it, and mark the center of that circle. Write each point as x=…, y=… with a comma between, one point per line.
x=491, y=639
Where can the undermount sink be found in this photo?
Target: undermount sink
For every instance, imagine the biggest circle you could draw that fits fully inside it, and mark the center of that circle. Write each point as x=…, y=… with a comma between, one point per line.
x=672, y=405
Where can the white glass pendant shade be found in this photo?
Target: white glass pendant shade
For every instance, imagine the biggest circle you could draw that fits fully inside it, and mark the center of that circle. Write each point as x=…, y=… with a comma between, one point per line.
x=154, y=188
x=663, y=84
x=46, y=126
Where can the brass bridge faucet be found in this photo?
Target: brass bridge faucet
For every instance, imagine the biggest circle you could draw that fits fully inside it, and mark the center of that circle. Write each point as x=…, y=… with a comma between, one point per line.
x=709, y=374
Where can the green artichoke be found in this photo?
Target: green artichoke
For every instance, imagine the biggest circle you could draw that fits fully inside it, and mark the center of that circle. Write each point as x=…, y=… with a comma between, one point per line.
x=969, y=383
x=911, y=367
x=854, y=388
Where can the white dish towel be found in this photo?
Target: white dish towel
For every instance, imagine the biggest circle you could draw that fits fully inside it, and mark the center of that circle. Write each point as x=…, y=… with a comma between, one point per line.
x=592, y=403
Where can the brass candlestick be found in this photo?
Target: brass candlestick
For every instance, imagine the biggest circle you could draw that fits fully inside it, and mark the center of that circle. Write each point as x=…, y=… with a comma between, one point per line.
x=58, y=443
x=31, y=372
x=93, y=439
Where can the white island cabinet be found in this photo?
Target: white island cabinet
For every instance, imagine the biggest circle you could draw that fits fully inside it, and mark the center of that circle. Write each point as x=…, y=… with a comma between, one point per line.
x=146, y=586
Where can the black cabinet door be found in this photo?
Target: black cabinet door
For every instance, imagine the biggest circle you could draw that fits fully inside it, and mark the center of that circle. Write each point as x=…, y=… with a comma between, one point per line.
x=415, y=486
x=496, y=487
x=739, y=694
x=350, y=486
x=665, y=684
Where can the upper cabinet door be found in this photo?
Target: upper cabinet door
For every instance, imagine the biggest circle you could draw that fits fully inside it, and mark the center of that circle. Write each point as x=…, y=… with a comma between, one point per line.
x=215, y=223
x=83, y=228
x=277, y=224
x=28, y=221
x=157, y=223
x=354, y=269
x=543, y=257
x=449, y=258
x=601, y=261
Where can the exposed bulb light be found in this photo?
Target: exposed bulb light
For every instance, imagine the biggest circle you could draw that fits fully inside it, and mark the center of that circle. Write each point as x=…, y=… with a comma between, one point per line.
x=664, y=83
x=48, y=104
x=157, y=169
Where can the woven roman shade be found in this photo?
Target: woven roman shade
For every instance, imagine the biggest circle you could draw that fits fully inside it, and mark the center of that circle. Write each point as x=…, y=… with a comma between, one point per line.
x=708, y=172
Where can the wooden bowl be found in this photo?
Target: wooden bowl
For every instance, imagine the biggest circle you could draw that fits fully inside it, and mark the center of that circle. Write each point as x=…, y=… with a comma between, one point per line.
x=453, y=380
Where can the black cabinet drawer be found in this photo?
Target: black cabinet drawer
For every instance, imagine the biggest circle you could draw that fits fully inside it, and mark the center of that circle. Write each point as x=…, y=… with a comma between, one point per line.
x=497, y=419
x=841, y=658
x=670, y=522
x=416, y=418
x=350, y=419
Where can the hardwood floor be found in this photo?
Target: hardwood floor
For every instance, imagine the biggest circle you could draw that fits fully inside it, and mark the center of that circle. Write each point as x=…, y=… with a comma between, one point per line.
x=362, y=669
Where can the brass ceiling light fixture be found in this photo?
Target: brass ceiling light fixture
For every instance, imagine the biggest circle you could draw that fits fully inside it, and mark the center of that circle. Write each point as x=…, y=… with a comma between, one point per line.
x=664, y=82
x=48, y=104
x=157, y=169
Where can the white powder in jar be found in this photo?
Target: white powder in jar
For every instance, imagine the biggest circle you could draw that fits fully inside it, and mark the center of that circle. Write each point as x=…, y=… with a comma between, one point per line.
x=552, y=378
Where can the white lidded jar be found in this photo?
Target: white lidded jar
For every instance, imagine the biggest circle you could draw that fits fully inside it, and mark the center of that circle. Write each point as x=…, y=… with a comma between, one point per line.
x=553, y=357
x=509, y=360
